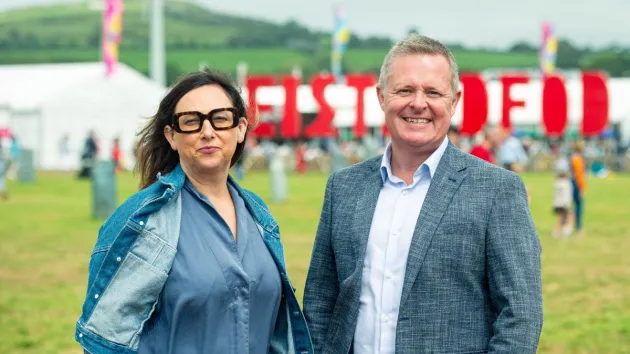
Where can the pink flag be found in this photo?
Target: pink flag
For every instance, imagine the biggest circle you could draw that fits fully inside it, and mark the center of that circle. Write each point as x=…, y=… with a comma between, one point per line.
x=112, y=33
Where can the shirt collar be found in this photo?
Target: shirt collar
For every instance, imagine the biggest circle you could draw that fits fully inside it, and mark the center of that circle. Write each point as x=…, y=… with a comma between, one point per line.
x=430, y=163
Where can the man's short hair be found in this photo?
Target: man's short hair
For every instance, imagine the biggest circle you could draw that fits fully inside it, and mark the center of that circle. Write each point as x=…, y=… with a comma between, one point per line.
x=417, y=44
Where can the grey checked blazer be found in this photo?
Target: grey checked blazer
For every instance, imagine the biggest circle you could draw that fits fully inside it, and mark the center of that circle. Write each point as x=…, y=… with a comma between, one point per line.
x=472, y=283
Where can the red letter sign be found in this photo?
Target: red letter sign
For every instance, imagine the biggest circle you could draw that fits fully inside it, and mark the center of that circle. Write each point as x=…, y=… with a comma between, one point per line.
x=322, y=125
x=554, y=106
x=253, y=82
x=595, y=103
x=360, y=82
x=291, y=121
x=475, y=104
x=508, y=103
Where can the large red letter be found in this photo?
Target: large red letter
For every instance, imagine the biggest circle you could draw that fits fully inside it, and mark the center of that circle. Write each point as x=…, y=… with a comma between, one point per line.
x=508, y=103
x=265, y=129
x=475, y=104
x=554, y=106
x=291, y=125
x=360, y=82
x=322, y=125
x=594, y=103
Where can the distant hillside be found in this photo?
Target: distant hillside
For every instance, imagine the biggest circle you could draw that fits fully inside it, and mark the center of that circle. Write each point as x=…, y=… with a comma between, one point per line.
x=188, y=27
x=196, y=35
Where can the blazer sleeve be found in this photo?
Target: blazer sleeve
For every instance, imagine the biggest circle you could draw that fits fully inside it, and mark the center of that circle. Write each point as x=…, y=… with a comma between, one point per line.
x=513, y=265
x=322, y=287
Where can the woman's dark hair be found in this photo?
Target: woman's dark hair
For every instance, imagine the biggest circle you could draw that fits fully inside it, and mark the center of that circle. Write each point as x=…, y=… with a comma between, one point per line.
x=153, y=152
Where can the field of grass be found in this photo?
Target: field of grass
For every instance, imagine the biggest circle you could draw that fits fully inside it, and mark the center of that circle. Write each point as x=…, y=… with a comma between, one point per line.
x=264, y=60
x=259, y=60
x=46, y=235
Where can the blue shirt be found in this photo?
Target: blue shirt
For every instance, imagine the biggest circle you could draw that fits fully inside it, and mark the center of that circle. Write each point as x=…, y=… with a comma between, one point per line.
x=222, y=295
x=397, y=211
x=512, y=151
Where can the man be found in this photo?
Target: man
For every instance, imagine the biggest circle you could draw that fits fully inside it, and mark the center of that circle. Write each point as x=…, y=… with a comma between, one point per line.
x=511, y=153
x=483, y=150
x=424, y=249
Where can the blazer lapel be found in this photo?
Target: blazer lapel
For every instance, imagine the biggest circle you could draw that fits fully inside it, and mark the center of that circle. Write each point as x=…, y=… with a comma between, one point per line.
x=368, y=189
x=444, y=183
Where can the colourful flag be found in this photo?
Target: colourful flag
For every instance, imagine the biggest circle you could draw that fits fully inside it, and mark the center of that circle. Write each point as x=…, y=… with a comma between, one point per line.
x=112, y=33
x=340, y=39
x=548, y=49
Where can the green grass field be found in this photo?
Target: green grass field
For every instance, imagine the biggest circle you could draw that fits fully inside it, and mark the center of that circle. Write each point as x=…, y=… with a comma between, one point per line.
x=46, y=235
x=264, y=60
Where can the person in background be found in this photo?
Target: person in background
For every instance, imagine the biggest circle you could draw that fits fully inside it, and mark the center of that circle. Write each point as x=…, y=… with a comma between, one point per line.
x=15, y=150
x=300, y=161
x=192, y=263
x=511, y=154
x=4, y=168
x=117, y=155
x=562, y=200
x=483, y=150
x=578, y=181
x=453, y=135
x=88, y=155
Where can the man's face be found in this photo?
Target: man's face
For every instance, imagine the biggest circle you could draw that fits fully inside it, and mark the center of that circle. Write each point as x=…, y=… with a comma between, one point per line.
x=418, y=101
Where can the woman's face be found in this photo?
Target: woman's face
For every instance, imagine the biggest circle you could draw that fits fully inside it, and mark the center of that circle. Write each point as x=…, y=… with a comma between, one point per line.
x=206, y=151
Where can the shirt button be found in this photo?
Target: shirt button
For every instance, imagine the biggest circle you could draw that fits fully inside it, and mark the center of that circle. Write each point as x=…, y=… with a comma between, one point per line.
x=389, y=275
x=385, y=318
x=141, y=223
x=80, y=335
x=96, y=296
x=405, y=192
x=118, y=259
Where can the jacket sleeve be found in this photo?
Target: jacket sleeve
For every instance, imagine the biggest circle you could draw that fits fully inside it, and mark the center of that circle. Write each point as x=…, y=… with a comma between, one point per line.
x=513, y=265
x=322, y=287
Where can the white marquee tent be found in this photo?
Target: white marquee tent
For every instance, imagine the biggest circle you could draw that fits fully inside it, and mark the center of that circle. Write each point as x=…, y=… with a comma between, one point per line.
x=41, y=103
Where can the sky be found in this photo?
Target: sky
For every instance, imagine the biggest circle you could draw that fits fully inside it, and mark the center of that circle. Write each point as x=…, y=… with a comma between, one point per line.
x=474, y=23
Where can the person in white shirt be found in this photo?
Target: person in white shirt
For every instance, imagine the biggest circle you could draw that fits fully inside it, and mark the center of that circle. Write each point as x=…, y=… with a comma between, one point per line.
x=562, y=201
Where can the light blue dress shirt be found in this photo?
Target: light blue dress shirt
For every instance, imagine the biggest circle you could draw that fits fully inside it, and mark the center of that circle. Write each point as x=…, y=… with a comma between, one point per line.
x=385, y=263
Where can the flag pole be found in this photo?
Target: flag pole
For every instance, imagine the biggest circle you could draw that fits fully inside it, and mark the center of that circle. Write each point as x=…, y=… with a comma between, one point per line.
x=157, y=55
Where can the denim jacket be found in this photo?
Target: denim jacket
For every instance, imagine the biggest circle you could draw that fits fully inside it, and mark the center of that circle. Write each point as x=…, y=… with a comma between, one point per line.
x=133, y=256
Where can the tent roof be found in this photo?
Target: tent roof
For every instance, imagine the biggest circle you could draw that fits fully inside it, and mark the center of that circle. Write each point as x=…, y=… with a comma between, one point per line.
x=27, y=86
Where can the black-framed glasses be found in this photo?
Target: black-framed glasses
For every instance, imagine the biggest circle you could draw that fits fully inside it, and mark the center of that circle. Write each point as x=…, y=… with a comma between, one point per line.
x=192, y=121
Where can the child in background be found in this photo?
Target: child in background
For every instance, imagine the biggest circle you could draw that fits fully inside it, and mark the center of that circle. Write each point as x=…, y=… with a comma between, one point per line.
x=562, y=201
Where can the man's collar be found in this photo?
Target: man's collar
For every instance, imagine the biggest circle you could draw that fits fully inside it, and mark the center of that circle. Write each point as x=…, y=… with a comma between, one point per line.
x=431, y=162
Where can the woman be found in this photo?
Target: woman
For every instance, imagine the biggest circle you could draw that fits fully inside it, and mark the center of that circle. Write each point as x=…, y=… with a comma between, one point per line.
x=191, y=263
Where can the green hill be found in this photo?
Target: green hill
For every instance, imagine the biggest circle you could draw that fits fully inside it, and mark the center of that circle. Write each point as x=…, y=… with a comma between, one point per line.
x=196, y=35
